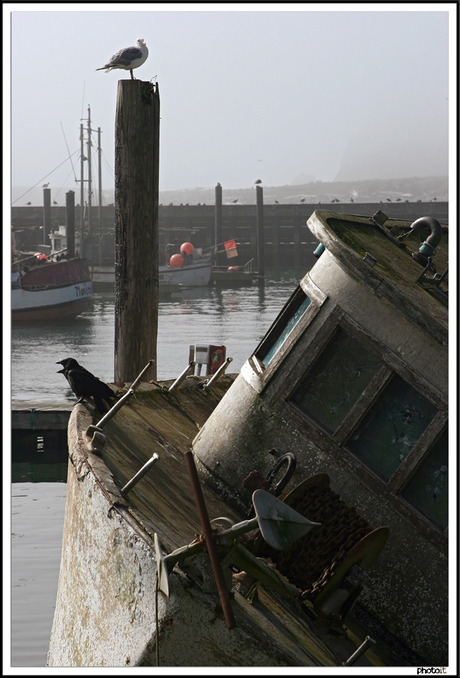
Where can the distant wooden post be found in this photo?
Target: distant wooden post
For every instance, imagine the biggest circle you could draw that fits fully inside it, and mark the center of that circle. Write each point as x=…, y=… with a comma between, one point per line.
x=218, y=221
x=46, y=214
x=137, y=142
x=276, y=242
x=260, y=233
x=297, y=243
x=70, y=223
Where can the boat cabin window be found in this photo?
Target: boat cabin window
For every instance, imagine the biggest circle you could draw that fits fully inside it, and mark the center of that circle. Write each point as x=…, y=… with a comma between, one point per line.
x=427, y=488
x=391, y=427
x=354, y=396
x=287, y=321
x=337, y=379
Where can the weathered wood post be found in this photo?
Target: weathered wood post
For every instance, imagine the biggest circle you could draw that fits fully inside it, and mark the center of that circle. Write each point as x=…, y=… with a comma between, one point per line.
x=137, y=141
x=297, y=243
x=276, y=242
x=46, y=214
x=70, y=223
x=218, y=222
x=260, y=234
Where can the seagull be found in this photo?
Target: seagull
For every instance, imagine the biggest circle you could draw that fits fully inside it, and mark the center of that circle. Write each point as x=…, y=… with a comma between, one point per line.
x=259, y=181
x=277, y=202
x=28, y=203
x=46, y=185
x=54, y=202
x=128, y=58
x=236, y=200
x=302, y=199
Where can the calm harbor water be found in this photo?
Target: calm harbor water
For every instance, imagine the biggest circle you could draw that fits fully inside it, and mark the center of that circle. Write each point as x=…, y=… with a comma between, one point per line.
x=237, y=318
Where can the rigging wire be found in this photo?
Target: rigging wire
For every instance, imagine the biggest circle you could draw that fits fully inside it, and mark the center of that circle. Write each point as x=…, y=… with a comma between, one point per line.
x=64, y=183
x=108, y=166
x=83, y=99
x=46, y=175
x=67, y=146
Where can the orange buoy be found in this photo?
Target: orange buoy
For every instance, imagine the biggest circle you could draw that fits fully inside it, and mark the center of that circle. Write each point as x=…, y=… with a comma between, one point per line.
x=176, y=260
x=186, y=248
x=232, y=268
x=40, y=256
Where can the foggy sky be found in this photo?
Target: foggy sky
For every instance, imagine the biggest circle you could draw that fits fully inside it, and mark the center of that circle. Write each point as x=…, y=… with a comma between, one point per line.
x=344, y=95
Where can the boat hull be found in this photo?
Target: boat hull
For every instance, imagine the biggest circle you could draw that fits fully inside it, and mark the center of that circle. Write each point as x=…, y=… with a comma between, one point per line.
x=191, y=275
x=54, y=291
x=108, y=612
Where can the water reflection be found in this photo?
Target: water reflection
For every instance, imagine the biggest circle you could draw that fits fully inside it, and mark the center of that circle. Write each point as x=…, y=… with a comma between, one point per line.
x=235, y=317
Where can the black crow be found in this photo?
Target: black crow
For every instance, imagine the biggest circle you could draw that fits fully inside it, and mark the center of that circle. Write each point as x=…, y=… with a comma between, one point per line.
x=85, y=385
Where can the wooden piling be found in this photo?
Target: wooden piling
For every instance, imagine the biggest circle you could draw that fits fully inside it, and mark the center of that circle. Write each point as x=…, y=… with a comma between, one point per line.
x=46, y=215
x=297, y=244
x=260, y=233
x=218, y=222
x=70, y=223
x=276, y=243
x=137, y=132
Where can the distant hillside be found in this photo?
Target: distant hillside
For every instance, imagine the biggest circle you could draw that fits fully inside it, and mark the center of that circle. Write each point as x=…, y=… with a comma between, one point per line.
x=372, y=190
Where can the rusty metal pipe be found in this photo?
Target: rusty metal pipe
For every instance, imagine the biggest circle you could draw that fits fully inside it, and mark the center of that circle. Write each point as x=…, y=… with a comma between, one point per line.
x=207, y=531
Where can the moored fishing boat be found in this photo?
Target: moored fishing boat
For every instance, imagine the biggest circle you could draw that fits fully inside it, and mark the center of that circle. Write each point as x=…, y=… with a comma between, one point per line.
x=44, y=289
x=348, y=388
x=193, y=275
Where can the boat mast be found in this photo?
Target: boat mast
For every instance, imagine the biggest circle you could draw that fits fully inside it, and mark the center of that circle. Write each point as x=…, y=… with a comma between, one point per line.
x=82, y=190
x=89, y=174
x=99, y=170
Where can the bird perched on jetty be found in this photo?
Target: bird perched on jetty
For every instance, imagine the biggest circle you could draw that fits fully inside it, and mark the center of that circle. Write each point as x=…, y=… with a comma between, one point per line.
x=128, y=58
x=259, y=181
x=85, y=385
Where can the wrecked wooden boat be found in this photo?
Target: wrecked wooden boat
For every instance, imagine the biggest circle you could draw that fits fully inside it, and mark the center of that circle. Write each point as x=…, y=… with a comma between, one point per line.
x=352, y=378
x=277, y=517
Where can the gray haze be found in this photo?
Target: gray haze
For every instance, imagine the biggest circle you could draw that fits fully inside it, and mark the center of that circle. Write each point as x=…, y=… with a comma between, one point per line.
x=350, y=92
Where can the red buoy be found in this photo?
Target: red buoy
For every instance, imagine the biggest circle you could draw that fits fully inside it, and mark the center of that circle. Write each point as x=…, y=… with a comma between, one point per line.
x=176, y=260
x=233, y=268
x=186, y=248
x=41, y=257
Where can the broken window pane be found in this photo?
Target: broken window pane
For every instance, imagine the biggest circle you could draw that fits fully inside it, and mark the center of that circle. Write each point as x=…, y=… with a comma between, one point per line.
x=286, y=331
x=391, y=427
x=337, y=379
x=427, y=489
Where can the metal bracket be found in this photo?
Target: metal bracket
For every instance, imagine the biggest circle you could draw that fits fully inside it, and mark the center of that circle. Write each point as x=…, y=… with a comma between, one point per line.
x=219, y=372
x=95, y=431
x=190, y=367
